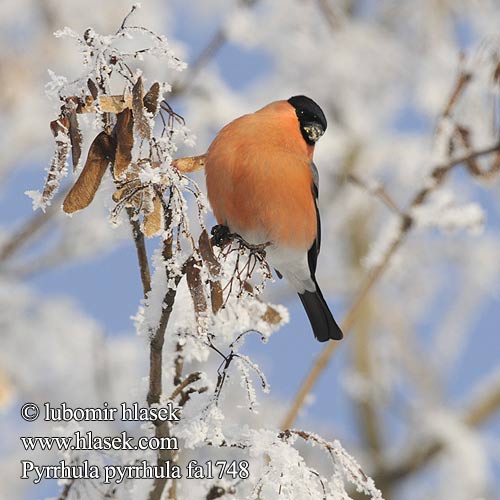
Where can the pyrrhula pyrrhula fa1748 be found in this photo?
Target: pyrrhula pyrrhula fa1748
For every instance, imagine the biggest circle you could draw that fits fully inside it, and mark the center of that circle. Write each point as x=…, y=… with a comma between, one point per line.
x=263, y=185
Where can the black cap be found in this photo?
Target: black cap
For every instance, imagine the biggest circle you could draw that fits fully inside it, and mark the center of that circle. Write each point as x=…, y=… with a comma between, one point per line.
x=307, y=109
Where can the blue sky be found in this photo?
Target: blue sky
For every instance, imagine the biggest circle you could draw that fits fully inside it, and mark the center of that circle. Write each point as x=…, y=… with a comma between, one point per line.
x=108, y=288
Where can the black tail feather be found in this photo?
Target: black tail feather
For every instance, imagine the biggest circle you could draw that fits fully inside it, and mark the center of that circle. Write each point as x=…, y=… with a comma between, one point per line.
x=322, y=322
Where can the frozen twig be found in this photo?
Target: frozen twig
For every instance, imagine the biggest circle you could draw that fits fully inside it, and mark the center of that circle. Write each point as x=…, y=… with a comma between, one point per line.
x=330, y=15
x=377, y=190
x=155, y=377
x=211, y=49
x=32, y=227
x=67, y=488
x=142, y=255
x=205, y=56
x=190, y=379
x=483, y=407
x=461, y=83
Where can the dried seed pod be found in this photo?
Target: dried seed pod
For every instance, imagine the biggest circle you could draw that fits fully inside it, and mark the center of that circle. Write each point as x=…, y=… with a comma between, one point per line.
x=100, y=155
x=153, y=221
x=189, y=163
x=124, y=136
x=195, y=285
x=76, y=138
x=207, y=253
x=94, y=92
x=272, y=316
x=57, y=170
x=142, y=122
x=151, y=98
x=216, y=296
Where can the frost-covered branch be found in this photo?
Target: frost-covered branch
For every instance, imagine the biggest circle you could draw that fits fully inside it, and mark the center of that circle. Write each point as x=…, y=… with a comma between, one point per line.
x=142, y=256
x=67, y=488
x=30, y=228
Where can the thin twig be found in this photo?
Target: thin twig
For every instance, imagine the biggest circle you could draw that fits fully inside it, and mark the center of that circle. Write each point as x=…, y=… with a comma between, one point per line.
x=368, y=417
x=377, y=190
x=190, y=379
x=332, y=18
x=125, y=19
x=32, y=227
x=462, y=81
x=483, y=407
x=212, y=48
x=67, y=488
x=156, y=367
x=142, y=256
x=156, y=347
x=205, y=56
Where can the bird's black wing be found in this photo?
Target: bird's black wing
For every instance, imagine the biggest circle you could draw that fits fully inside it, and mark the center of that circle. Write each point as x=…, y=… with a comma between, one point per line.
x=313, y=253
x=323, y=324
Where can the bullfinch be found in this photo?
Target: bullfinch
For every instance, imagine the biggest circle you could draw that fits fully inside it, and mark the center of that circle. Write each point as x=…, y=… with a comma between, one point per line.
x=263, y=185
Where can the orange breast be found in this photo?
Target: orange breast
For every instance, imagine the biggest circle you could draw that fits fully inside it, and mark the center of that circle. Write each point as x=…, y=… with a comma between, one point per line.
x=259, y=179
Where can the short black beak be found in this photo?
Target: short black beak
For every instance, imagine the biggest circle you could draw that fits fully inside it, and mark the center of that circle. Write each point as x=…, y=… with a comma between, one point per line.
x=313, y=131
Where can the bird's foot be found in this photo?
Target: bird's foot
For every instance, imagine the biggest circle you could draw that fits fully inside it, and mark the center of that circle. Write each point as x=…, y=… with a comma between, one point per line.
x=221, y=235
x=259, y=248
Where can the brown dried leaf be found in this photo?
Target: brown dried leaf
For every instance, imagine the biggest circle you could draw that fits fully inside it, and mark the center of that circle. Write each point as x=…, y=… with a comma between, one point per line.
x=208, y=256
x=189, y=163
x=101, y=153
x=142, y=122
x=153, y=221
x=118, y=194
x=216, y=296
x=57, y=168
x=107, y=104
x=114, y=103
x=207, y=253
x=151, y=98
x=75, y=135
x=92, y=88
x=195, y=285
x=86, y=105
x=272, y=316
x=59, y=126
x=124, y=135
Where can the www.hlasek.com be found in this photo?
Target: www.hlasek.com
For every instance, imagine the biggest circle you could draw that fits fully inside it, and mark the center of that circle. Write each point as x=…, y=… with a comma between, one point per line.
x=79, y=441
